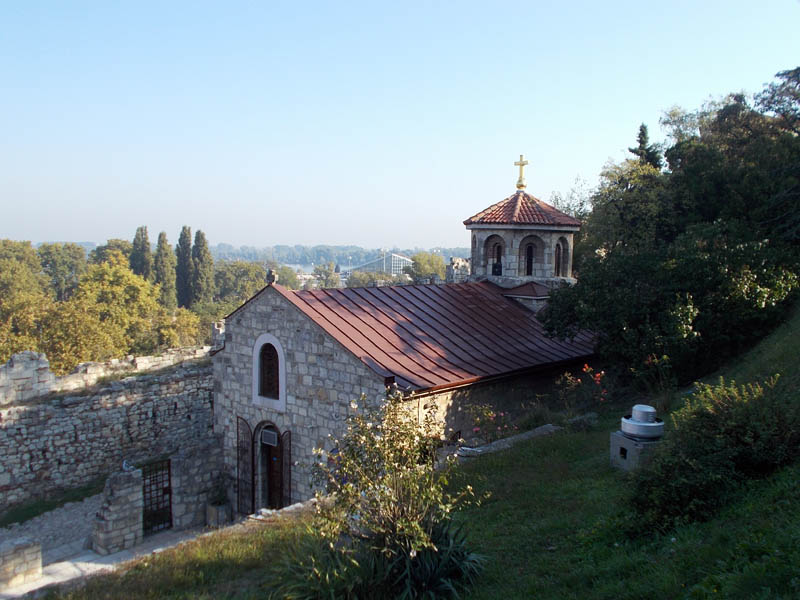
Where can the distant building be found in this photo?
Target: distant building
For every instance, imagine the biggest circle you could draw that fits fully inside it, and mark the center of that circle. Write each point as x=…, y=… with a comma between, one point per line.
x=457, y=270
x=391, y=263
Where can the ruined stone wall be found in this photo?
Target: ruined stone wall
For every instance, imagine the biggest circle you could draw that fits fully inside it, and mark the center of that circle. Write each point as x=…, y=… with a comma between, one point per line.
x=67, y=441
x=321, y=378
x=27, y=375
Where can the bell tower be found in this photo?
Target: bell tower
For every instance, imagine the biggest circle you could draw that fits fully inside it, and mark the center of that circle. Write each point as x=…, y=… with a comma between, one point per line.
x=522, y=240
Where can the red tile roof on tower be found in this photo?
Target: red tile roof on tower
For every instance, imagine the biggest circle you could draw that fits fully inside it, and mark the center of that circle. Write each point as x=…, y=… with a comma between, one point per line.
x=431, y=337
x=522, y=209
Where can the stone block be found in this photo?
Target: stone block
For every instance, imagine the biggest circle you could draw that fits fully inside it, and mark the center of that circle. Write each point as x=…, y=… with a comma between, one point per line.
x=629, y=454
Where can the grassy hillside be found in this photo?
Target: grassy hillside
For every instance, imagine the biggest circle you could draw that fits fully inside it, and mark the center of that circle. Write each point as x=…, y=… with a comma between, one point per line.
x=552, y=527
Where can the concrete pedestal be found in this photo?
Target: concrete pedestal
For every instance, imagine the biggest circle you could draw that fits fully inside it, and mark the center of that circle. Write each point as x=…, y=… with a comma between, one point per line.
x=630, y=454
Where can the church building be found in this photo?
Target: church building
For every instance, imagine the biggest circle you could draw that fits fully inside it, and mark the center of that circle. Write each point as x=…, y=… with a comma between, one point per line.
x=292, y=361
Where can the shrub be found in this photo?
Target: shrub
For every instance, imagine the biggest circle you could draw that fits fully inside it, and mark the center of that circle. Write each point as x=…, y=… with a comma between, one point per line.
x=723, y=435
x=384, y=529
x=314, y=568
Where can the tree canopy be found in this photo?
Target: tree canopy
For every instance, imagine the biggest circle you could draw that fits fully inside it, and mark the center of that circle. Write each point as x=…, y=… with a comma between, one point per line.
x=689, y=265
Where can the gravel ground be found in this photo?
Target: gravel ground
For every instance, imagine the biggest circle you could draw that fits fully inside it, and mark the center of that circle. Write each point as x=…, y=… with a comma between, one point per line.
x=61, y=532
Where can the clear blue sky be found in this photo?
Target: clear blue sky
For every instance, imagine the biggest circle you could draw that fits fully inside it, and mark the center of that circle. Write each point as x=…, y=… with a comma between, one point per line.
x=374, y=123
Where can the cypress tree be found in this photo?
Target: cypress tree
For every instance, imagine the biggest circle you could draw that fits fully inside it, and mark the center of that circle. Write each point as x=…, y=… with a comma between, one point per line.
x=648, y=153
x=202, y=270
x=183, y=268
x=164, y=273
x=141, y=259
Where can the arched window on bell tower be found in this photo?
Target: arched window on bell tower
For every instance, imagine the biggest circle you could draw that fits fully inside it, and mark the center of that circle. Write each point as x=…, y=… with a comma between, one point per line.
x=529, y=255
x=557, y=266
x=493, y=251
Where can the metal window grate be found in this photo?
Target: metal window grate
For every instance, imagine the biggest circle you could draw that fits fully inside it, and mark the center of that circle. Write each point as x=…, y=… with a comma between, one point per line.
x=157, y=496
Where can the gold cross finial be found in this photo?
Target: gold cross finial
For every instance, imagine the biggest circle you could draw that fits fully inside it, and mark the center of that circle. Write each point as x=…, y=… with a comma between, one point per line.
x=521, y=184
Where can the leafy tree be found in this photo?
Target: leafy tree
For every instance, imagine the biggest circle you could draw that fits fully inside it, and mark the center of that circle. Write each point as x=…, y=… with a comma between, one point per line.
x=111, y=251
x=783, y=99
x=693, y=264
x=164, y=273
x=238, y=280
x=124, y=303
x=183, y=268
x=141, y=258
x=647, y=153
x=426, y=265
x=629, y=209
x=287, y=277
x=64, y=264
x=73, y=333
x=24, y=253
x=24, y=297
x=202, y=270
x=23, y=302
x=326, y=275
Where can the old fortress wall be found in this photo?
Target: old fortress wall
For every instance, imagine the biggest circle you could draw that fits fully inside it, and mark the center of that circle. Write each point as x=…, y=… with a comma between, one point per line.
x=27, y=375
x=60, y=440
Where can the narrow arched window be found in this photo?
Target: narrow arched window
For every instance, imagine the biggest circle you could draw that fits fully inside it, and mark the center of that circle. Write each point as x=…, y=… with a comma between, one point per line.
x=498, y=253
x=529, y=253
x=558, y=260
x=268, y=378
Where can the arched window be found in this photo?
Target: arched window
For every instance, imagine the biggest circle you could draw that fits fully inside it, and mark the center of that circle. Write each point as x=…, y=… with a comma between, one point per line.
x=529, y=254
x=531, y=251
x=268, y=372
x=557, y=266
x=493, y=250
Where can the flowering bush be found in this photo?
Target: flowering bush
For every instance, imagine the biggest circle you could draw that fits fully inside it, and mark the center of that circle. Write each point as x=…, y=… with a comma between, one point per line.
x=384, y=510
x=489, y=424
x=584, y=389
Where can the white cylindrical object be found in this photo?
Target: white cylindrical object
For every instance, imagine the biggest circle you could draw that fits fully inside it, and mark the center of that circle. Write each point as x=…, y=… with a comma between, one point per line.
x=644, y=413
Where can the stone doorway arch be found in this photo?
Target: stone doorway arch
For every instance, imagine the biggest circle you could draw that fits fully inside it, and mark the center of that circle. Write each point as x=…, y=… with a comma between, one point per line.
x=272, y=473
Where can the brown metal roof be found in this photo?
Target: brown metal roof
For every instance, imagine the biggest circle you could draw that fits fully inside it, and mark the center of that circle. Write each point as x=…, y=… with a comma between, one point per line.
x=436, y=336
x=522, y=209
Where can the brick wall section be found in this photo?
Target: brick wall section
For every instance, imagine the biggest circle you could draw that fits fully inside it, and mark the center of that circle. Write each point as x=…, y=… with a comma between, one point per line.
x=27, y=375
x=321, y=380
x=20, y=562
x=65, y=442
x=118, y=524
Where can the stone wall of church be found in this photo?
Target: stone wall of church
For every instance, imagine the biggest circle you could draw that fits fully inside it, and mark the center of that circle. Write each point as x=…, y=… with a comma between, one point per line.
x=513, y=259
x=67, y=441
x=321, y=380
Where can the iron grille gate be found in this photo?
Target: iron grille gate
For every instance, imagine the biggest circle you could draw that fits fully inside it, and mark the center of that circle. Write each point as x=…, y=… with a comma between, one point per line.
x=157, y=496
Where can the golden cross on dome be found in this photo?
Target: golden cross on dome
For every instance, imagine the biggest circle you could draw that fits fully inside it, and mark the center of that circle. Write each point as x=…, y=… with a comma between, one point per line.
x=521, y=184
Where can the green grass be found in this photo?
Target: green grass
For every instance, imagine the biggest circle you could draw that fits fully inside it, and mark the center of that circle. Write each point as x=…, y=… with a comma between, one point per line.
x=29, y=510
x=552, y=527
x=229, y=564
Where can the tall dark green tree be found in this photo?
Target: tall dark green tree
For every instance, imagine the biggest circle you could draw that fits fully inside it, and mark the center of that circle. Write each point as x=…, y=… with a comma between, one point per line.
x=202, y=270
x=164, y=273
x=184, y=268
x=141, y=259
x=648, y=153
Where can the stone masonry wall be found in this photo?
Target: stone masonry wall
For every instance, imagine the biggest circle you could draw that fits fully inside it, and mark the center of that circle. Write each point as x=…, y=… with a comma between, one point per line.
x=321, y=380
x=194, y=473
x=67, y=441
x=27, y=375
x=118, y=524
x=20, y=562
